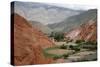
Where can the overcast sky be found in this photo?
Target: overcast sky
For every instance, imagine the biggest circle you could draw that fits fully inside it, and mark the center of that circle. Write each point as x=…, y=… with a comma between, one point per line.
x=76, y=6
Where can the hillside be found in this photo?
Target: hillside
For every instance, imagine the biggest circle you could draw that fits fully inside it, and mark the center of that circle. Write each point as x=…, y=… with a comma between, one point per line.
x=87, y=32
x=45, y=29
x=28, y=43
x=74, y=21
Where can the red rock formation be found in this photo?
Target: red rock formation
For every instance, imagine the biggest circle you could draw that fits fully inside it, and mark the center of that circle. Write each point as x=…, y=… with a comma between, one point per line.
x=28, y=43
x=87, y=32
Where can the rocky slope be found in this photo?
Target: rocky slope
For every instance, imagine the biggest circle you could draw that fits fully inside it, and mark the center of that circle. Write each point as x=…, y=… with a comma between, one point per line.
x=28, y=43
x=87, y=32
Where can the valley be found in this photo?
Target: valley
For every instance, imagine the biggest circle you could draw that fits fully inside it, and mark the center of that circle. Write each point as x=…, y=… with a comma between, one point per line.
x=45, y=34
x=72, y=52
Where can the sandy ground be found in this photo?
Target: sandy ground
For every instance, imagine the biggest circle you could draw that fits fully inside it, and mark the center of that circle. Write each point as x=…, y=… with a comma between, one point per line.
x=60, y=51
x=61, y=43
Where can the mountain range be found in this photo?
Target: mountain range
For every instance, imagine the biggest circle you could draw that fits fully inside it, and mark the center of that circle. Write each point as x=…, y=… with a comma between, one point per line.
x=74, y=21
x=42, y=12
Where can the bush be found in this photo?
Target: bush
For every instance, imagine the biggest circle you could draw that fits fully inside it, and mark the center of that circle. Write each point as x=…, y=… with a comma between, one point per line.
x=57, y=36
x=63, y=47
x=71, y=47
x=76, y=48
x=90, y=42
x=65, y=56
x=89, y=45
x=56, y=57
x=79, y=41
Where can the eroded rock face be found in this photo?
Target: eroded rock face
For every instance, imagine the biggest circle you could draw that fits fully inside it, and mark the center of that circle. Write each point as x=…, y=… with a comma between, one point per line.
x=87, y=32
x=28, y=43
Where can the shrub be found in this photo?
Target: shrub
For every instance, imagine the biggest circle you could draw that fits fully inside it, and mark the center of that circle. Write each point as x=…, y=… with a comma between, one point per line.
x=63, y=47
x=71, y=47
x=56, y=57
x=65, y=56
x=79, y=41
x=90, y=42
x=57, y=36
x=89, y=45
x=76, y=48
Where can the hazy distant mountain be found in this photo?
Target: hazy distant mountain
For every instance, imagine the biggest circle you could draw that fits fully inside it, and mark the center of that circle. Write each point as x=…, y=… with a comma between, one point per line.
x=44, y=13
x=41, y=26
x=74, y=21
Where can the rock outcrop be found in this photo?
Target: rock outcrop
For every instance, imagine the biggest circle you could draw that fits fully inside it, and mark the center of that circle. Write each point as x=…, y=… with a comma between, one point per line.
x=29, y=43
x=89, y=31
x=86, y=31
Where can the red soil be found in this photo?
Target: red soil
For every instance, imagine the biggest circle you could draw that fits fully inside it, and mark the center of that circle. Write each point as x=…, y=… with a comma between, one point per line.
x=29, y=43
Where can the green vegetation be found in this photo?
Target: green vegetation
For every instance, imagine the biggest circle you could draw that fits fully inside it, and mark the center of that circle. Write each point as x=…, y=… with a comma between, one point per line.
x=91, y=45
x=51, y=48
x=86, y=42
x=91, y=42
x=63, y=46
x=54, y=56
x=58, y=36
x=79, y=41
x=45, y=51
x=76, y=48
x=62, y=51
x=57, y=57
x=65, y=56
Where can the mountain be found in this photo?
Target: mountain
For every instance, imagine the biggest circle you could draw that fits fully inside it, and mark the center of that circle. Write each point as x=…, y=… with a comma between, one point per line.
x=29, y=43
x=89, y=31
x=74, y=21
x=86, y=31
x=45, y=29
x=42, y=12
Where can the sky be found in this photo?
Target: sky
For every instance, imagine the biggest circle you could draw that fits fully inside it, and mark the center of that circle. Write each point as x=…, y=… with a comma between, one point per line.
x=71, y=6
x=76, y=6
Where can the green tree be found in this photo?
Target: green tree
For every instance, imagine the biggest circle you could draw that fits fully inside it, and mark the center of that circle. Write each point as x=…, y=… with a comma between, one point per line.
x=57, y=36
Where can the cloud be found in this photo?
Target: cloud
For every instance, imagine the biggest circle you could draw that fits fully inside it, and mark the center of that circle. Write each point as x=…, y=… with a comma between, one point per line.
x=76, y=6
